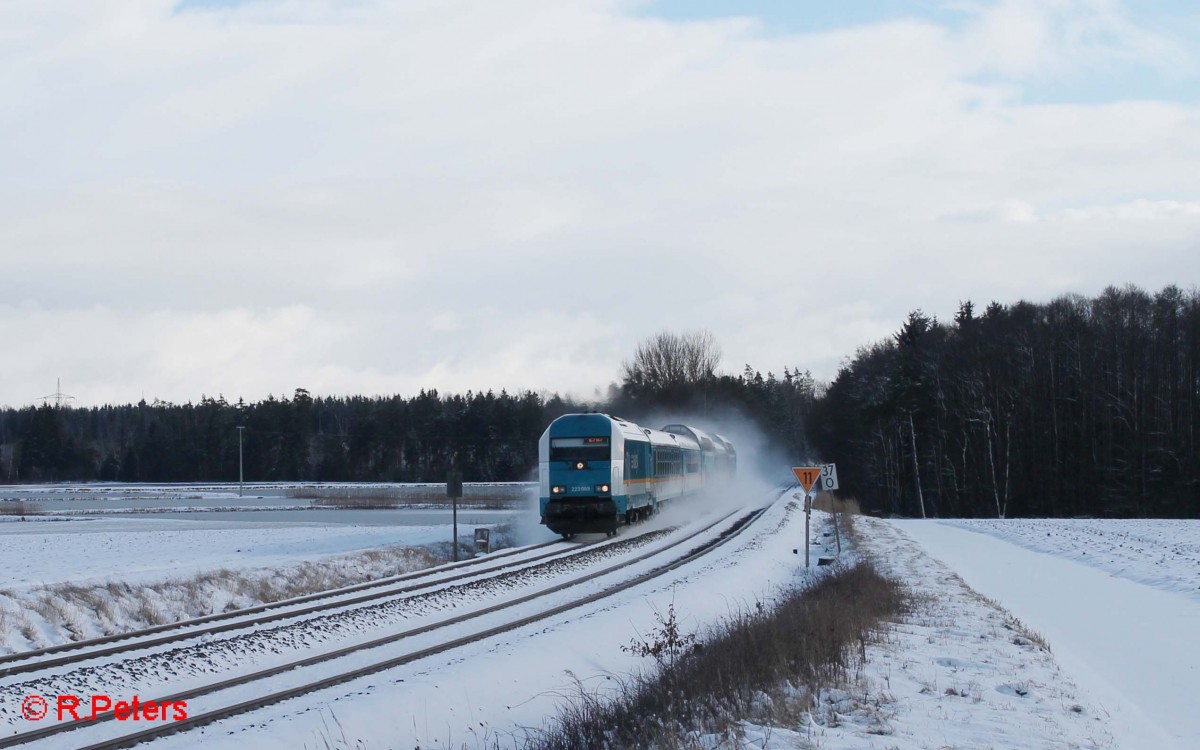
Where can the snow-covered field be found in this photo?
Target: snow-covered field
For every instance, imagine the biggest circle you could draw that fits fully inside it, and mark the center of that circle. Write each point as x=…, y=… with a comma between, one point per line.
x=147, y=549
x=164, y=551
x=66, y=544
x=1115, y=600
x=1163, y=553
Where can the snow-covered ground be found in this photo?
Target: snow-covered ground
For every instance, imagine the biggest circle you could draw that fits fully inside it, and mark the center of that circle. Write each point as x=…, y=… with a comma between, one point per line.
x=959, y=672
x=148, y=549
x=159, y=556
x=1163, y=553
x=496, y=689
x=177, y=530
x=1123, y=624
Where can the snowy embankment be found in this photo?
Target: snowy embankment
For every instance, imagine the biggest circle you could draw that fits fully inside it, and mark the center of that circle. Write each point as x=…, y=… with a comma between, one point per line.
x=67, y=580
x=958, y=672
x=1129, y=641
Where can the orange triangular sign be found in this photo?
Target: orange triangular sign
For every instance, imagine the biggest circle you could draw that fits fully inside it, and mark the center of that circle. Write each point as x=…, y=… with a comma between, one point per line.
x=807, y=476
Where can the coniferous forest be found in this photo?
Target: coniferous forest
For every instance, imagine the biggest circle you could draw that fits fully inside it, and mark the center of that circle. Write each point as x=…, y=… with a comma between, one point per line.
x=1081, y=406
x=1076, y=407
x=383, y=439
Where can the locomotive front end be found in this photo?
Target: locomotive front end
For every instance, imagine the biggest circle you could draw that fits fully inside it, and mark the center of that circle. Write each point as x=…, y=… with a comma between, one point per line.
x=580, y=457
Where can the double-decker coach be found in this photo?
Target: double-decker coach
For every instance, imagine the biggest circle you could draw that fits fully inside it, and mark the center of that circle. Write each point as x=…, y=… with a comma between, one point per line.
x=677, y=462
x=717, y=456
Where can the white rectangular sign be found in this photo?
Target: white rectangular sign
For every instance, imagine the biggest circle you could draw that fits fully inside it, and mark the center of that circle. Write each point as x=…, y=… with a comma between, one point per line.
x=828, y=480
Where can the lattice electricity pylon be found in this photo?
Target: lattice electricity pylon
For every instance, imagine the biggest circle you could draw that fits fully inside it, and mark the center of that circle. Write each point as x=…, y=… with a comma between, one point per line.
x=58, y=396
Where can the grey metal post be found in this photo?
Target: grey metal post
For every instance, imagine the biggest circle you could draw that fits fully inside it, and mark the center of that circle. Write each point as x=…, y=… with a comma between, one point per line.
x=241, y=475
x=454, y=490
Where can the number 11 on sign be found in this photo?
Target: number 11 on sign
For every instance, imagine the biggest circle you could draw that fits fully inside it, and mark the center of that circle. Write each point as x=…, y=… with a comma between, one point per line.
x=807, y=476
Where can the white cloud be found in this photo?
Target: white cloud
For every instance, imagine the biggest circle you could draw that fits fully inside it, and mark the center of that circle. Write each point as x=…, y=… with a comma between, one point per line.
x=374, y=197
x=1139, y=210
x=1040, y=37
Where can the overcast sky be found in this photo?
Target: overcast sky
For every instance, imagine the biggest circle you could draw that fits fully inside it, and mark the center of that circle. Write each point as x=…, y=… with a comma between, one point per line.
x=358, y=197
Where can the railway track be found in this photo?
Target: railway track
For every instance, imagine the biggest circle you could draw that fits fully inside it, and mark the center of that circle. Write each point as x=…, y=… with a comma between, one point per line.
x=227, y=695
x=81, y=651
x=413, y=588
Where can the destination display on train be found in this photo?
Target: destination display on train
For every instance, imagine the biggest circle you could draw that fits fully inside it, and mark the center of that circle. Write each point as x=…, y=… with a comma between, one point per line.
x=577, y=441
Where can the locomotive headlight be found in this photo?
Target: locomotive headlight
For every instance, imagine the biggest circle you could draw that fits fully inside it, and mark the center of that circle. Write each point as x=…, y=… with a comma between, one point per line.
x=580, y=464
x=602, y=488
x=557, y=490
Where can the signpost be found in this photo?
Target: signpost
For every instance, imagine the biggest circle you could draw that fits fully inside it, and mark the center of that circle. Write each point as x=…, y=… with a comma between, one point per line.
x=454, y=492
x=829, y=477
x=829, y=483
x=807, y=476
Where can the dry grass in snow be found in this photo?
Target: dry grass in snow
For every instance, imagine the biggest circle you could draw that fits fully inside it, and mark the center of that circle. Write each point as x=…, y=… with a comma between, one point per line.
x=957, y=672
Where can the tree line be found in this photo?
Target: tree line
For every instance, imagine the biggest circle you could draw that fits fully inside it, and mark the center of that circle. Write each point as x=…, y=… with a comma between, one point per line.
x=382, y=439
x=1076, y=407
x=390, y=438
x=1081, y=406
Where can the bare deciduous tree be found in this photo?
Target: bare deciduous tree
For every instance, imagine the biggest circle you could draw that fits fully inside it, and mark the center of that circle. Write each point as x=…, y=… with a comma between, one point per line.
x=669, y=360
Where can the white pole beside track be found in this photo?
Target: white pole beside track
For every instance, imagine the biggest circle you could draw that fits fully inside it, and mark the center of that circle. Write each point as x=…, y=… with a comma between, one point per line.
x=807, y=518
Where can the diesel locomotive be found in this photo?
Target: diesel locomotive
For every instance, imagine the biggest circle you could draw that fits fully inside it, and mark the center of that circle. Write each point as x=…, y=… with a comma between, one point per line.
x=599, y=472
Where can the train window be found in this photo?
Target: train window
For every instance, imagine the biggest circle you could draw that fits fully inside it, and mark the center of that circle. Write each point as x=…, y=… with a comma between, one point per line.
x=579, y=449
x=668, y=462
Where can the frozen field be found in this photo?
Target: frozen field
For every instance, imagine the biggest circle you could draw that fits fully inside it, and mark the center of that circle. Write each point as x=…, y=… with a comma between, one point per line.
x=1163, y=553
x=136, y=533
x=100, y=498
x=145, y=549
x=191, y=550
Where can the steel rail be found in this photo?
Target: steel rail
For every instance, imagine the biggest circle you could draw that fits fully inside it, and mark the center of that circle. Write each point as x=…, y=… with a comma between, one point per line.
x=252, y=704
x=255, y=609
x=128, y=642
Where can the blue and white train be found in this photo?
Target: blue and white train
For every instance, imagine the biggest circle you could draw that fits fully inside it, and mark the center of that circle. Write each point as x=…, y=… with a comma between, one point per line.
x=599, y=472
